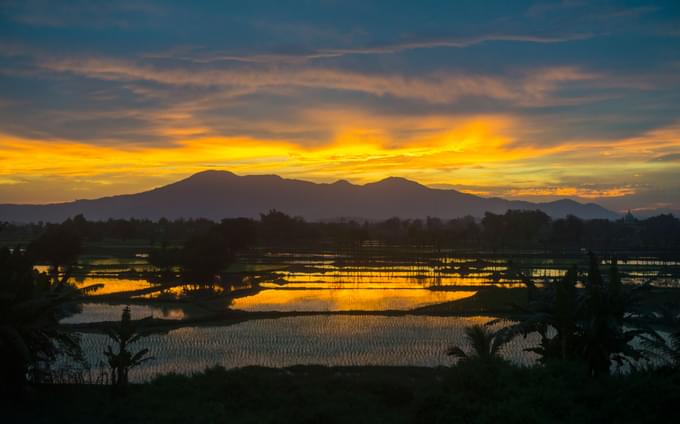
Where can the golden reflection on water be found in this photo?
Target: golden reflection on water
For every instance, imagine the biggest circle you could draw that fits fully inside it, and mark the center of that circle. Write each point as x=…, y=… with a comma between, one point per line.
x=41, y=268
x=113, y=285
x=387, y=280
x=343, y=285
x=97, y=312
x=547, y=273
x=182, y=290
x=113, y=261
x=345, y=299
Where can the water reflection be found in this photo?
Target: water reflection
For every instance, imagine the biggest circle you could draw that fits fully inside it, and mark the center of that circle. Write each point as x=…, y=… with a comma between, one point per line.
x=42, y=268
x=113, y=285
x=337, y=273
x=358, y=299
x=389, y=278
x=97, y=312
x=325, y=340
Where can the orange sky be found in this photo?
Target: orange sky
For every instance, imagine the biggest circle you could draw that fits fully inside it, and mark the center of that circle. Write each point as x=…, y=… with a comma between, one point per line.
x=484, y=155
x=530, y=100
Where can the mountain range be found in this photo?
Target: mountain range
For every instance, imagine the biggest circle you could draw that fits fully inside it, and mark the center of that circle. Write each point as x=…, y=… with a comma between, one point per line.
x=221, y=194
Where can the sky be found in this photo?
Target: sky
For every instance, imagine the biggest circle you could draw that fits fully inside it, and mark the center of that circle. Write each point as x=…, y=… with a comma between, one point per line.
x=533, y=100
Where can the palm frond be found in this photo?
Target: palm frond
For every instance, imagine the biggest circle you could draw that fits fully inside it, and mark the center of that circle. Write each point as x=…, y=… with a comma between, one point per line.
x=457, y=352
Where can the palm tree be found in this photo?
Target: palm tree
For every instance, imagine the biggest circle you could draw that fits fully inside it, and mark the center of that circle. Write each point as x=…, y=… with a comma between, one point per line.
x=486, y=344
x=122, y=361
x=608, y=306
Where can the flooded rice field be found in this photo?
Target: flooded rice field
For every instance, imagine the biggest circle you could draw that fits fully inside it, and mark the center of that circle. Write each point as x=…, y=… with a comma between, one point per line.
x=324, y=340
x=285, y=270
x=113, y=285
x=319, y=282
x=284, y=281
x=345, y=299
x=99, y=312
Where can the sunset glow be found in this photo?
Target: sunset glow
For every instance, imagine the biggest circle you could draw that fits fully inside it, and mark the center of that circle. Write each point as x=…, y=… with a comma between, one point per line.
x=130, y=117
x=355, y=211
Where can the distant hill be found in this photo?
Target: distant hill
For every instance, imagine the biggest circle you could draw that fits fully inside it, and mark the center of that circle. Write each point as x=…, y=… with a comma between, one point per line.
x=648, y=213
x=221, y=194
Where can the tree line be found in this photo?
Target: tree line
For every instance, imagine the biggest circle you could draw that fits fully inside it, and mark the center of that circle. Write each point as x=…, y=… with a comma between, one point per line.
x=515, y=229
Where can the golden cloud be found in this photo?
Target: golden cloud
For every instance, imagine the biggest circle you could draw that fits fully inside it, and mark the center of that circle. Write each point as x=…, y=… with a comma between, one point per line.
x=481, y=153
x=581, y=192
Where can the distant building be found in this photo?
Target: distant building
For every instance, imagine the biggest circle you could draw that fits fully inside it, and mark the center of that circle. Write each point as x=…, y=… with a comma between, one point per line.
x=629, y=218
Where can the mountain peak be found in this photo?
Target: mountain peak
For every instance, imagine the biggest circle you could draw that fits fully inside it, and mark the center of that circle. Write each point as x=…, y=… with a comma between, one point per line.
x=396, y=182
x=217, y=194
x=564, y=202
x=210, y=174
x=343, y=183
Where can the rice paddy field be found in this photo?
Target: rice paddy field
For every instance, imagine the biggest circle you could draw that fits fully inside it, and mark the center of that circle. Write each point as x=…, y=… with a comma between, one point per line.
x=334, y=309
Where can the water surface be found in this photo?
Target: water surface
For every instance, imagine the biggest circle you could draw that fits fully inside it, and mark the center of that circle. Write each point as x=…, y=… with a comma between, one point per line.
x=97, y=312
x=345, y=299
x=324, y=340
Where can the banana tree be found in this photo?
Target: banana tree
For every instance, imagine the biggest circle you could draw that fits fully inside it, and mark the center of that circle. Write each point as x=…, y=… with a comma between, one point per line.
x=122, y=360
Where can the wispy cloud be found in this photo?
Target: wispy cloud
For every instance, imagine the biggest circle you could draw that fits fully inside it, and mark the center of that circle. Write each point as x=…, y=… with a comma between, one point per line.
x=437, y=87
x=377, y=49
x=672, y=157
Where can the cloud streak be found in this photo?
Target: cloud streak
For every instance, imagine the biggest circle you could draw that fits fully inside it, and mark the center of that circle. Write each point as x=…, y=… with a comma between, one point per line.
x=437, y=87
x=378, y=49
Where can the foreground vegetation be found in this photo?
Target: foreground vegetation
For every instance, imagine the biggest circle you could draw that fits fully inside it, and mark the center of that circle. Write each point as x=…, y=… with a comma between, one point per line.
x=473, y=391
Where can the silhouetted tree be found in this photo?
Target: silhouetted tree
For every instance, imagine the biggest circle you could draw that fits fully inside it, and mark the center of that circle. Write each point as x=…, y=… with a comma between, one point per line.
x=662, y=231
x=31, y=305
x=122, y=360
x=278, y=228
x=165, y=259
x=568, y=231
x=512, y=229
x=204, y=255
x=554, y=313
x=486, y=344
x=60, y=246
x=516, y=228
x=585, y=325
x=239, y=233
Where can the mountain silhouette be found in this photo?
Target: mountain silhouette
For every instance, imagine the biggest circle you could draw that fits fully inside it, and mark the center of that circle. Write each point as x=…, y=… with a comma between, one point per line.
x=221, y=194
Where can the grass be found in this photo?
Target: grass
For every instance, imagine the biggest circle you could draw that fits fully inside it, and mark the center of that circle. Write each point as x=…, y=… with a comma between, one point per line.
x=471, y=392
